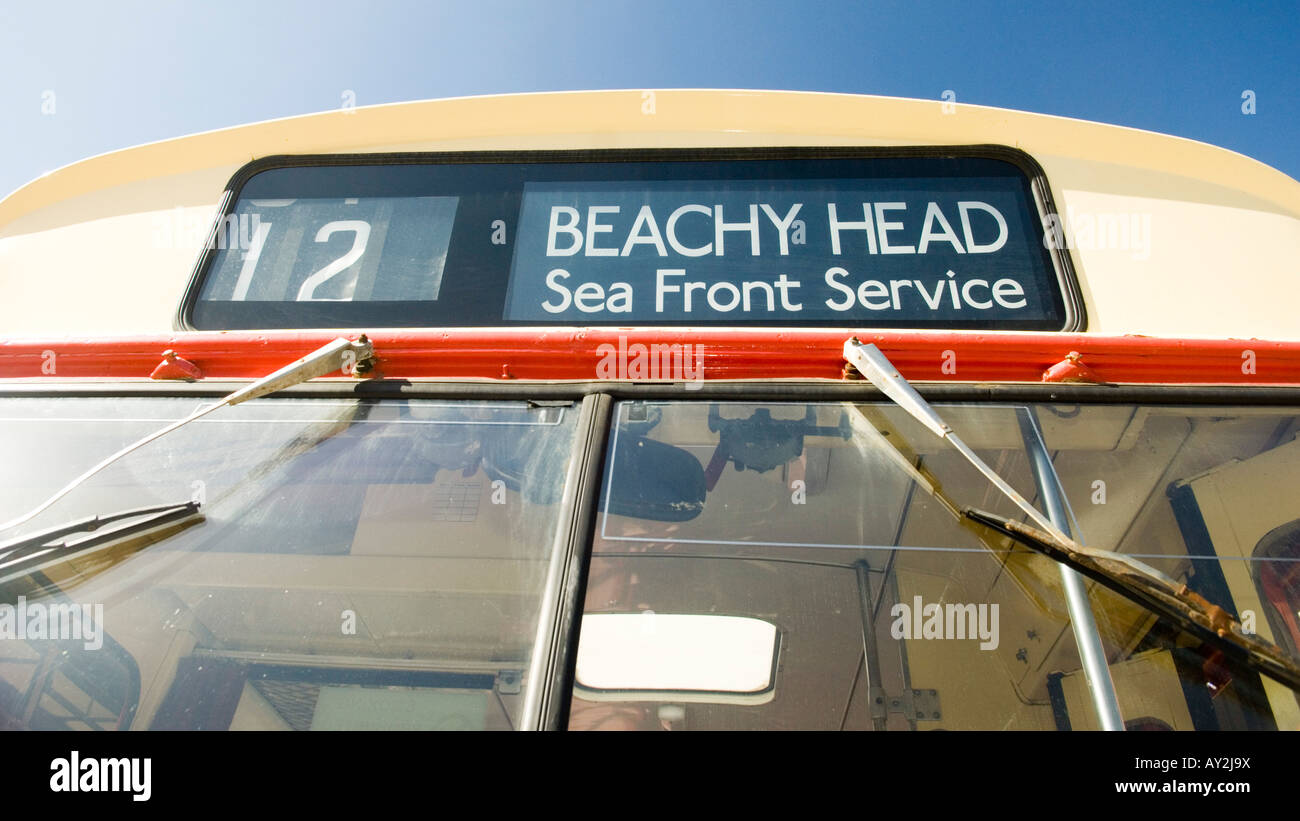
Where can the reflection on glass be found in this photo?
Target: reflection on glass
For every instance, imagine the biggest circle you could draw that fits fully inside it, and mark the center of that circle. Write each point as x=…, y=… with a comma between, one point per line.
x=359, y=564
x=891, y=613
x=319, y=249
x=1277, y=577
x=1195, y=492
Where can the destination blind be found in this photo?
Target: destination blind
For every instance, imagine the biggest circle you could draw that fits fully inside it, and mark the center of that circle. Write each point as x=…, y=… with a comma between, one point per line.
x=885, y=242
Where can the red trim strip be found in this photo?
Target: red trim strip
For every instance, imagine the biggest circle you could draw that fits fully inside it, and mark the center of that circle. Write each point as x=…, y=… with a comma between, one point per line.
x=585, y=354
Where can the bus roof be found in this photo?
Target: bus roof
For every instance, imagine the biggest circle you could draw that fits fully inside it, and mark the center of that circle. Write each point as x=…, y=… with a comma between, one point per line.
x=671, y=118
x=1182, y=239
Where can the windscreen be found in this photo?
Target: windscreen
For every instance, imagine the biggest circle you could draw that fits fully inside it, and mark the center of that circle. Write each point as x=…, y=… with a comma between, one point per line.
x=355, y=564
x=381, y=564
x=772, y=566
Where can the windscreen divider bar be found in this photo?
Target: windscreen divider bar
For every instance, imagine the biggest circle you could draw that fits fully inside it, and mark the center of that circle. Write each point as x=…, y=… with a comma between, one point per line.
x=551, y=669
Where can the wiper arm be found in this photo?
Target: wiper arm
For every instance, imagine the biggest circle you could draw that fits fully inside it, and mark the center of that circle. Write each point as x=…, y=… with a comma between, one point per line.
x=881, y=372
x=1127, y=576
x=1180, y=605
x=28, y=554
x=325, y=359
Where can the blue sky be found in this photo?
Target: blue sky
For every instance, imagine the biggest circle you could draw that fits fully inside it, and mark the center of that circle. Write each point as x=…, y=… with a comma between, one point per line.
x=131, y=72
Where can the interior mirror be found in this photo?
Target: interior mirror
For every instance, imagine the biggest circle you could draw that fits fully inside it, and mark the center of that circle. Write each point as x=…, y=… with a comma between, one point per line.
x=654, y=480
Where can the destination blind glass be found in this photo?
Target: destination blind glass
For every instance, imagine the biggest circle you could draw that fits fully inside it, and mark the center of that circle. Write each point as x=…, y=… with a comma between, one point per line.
x=888, y=242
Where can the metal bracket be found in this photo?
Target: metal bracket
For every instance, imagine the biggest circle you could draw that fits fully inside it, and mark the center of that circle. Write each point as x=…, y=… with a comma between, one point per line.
x=1072, y=369
x=176, y=367
x=509, y=682
x=914, y=705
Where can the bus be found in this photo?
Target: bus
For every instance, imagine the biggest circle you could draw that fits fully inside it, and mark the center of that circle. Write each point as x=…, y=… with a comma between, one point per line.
x=659, y=410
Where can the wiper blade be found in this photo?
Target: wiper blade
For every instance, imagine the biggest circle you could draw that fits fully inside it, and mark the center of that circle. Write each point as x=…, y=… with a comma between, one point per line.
x=328, y=358
x=1133, y=579
x=28, y=554
x=1180, y=605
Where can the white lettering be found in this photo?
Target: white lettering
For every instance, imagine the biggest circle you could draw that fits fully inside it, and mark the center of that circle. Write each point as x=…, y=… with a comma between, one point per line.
x=837, y=226
x=645, y=217
x=570, y=227
x=594, y=227
x=933, y=214
x=885, y=227
x=782, y=225
x=971, y=245
x=671, y=229
x=721, y=226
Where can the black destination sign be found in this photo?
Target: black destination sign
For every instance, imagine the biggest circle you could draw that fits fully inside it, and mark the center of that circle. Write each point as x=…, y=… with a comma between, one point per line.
x=871, y=241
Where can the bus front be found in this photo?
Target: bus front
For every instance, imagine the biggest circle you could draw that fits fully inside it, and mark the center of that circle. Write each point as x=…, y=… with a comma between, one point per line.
x=772, y=411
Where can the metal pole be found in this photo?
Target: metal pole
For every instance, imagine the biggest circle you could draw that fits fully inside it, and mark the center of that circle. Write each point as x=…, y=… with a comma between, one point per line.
x=1095, y=668
x=870, y=655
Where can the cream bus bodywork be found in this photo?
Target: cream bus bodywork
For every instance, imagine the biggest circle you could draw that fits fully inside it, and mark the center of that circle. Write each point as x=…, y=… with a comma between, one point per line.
x=1169, y=237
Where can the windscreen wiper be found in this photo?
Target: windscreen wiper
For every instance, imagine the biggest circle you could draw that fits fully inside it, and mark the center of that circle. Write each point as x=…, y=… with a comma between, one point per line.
x=328, y=358
x=142, y=525
x=1133, y=579
x=881, y=372
x=1185, y=608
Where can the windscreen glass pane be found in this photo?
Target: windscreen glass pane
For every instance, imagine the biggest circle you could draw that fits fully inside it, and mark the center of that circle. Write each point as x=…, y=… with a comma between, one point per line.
x=889, y=612
x=353, y=564
x=1203, y=494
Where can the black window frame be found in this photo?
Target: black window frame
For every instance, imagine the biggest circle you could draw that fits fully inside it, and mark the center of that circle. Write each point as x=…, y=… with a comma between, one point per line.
x=1038, y=191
